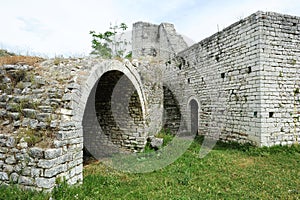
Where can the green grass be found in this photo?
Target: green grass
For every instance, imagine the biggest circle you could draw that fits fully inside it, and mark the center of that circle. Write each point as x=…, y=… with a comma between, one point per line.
x=229, y=171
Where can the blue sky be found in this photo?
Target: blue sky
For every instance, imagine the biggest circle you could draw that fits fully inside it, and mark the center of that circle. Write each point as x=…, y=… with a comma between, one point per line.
x=61, y=27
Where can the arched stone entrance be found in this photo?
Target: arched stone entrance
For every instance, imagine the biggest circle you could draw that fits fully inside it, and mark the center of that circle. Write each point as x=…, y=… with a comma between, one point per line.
x=113, y=107
x=194, y=115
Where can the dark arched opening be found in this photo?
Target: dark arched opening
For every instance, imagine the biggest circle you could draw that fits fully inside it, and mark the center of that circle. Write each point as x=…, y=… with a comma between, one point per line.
x=172, y=114
x=113, y=117
x=194, y=116
x=118, y=108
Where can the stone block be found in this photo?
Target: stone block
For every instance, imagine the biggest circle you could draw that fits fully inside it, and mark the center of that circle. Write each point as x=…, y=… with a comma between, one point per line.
x=42, y=125
x=10, y=160
x=10, y=142
x=45, y=109
x=156, y=142
x=26, y=171
x=36, y=172
x=36, y=152
x=14, y=177
x=53, y=153
x=23, y=145
x=14, y=115
x=25, y=180
x=3, y=98
x=8, y=168
x=55, y=170
x=78, y=155
x=44, y=117
x=58, y=143
x=79, y=169
x=17, y=123
x=54, y=123
x=46, y=164
x=46, y=183
x=73, y=163
x=67, y=97
x=33, y=123
x=30, y=113
x=3, y=176
x=3, y=113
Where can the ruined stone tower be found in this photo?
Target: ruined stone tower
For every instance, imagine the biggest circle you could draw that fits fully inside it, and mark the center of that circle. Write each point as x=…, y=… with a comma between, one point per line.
x=160, y=41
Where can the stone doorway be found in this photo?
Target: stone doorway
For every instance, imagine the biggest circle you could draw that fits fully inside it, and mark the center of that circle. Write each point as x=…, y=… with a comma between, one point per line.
x=194, y=116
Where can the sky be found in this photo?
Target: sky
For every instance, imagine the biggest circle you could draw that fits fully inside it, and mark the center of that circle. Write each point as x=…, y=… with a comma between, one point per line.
x=52, y=28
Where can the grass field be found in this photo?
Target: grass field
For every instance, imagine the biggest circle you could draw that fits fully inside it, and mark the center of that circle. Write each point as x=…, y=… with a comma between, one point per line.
x=229, y=171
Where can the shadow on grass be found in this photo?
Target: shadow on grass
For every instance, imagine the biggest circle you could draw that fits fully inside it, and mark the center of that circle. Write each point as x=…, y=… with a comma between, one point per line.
x=252, y=150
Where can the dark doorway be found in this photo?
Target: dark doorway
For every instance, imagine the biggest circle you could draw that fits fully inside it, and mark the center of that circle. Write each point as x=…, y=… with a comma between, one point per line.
x=194, y=116
x=172, y=115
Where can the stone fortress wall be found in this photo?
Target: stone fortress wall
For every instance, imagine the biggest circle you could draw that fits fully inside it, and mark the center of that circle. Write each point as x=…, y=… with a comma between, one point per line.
x=245, y=79
x=241, y=84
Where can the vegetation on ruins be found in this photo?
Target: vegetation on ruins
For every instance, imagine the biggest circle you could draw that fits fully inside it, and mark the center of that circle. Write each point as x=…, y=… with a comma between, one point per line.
x=111, y=43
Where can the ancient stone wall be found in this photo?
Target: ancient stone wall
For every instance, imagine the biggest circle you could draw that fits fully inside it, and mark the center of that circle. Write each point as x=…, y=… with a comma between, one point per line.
x=38, y=143
x=221, y=73
x=50, y=111
x=280, y=78
x=245, y=79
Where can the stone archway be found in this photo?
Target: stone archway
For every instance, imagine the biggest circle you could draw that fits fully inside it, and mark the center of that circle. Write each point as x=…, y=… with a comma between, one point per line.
x=193, y=108
x=112, y=109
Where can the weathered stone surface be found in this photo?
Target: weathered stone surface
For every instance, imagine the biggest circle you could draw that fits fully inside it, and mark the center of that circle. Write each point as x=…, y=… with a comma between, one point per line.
x=26, y=171
x=46, y=164
x=45, y=109
x=156, y=143
x=31, y=113
x=54, y=123
x=11, y=142
x=55, y=170
x=24, y=180
x=3, y=176
x=6, y=122
x=8, y=168
x=14, y=177
x=21, y=156
x=14, y=115
x=35, y=172
x=53, y=153
x=3, y=113
x=12, y=107
x=10, y=160
x=17, y=123
x=23, y=145
x=44, y=117
x=3, y=97
x=36, y=152
x=33, y=123
x=45, y=182
x=42, y=125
